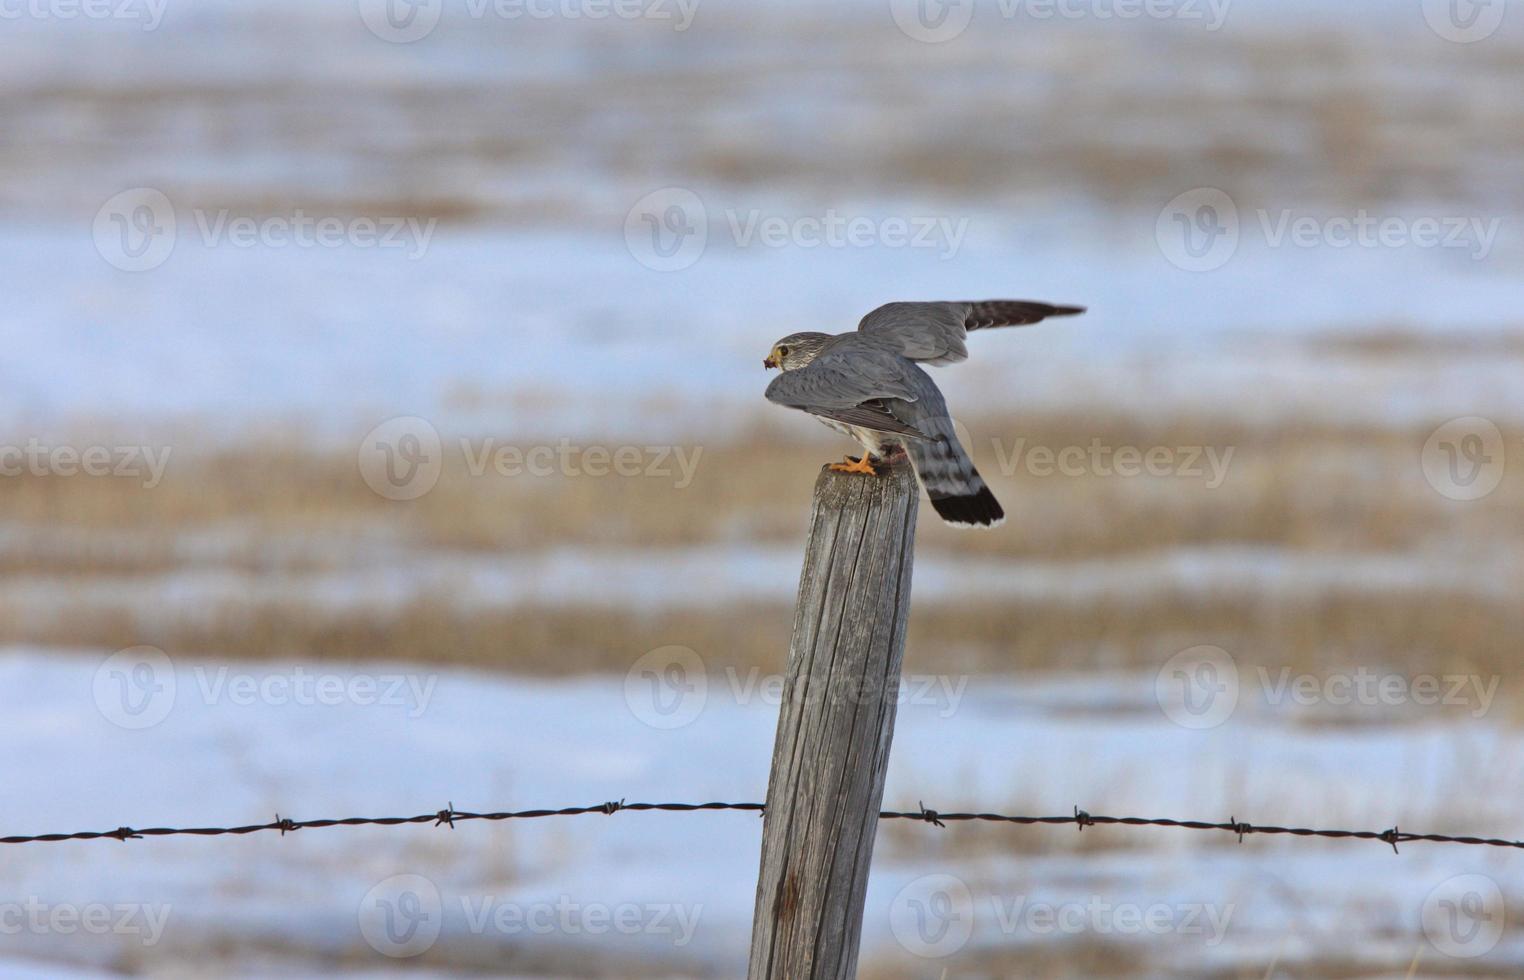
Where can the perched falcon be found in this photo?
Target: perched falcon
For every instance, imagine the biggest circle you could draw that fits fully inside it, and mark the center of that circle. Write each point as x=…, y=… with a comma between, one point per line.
x=869, y=385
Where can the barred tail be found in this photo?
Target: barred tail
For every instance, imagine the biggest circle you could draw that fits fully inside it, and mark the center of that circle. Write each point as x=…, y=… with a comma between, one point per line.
x=956, y=489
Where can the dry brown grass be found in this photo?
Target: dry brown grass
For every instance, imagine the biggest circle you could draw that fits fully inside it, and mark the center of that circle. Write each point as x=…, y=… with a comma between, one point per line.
x=1090, y=956
x=1313, y=487
x=1070, y=957
x=1326, y=491
x=1443, y=634
x=1277, y=119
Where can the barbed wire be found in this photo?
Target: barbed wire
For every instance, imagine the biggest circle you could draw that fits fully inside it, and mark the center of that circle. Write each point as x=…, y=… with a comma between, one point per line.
x=449, y=816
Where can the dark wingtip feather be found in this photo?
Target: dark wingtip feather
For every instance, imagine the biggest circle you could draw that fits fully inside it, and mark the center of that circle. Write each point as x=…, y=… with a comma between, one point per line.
x=985, y=314
x=976, y=510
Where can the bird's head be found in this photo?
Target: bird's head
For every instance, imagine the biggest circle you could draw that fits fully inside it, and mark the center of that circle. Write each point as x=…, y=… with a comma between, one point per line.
x=796, y=350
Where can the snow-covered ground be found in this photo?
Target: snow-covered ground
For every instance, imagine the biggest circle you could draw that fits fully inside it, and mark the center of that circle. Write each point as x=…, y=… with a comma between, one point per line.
x=373, y=576
x=500, y=331
x=89, y=746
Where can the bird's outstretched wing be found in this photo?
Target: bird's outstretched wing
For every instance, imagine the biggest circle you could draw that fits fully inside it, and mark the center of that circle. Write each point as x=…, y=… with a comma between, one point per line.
x=848, y=384
x=934, y=332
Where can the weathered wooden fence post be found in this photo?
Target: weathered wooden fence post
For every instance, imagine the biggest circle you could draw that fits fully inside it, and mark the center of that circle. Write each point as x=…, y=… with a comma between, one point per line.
x=834, y=727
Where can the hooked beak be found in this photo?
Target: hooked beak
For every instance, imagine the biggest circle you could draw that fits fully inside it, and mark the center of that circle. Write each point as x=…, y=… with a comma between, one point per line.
x=770, y=362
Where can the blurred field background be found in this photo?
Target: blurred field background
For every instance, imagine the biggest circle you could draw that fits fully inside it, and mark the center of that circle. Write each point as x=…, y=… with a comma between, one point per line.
x=1297, y=395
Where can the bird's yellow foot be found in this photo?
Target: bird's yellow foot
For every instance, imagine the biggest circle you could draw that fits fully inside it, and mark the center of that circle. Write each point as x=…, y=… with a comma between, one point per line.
x=855, y=466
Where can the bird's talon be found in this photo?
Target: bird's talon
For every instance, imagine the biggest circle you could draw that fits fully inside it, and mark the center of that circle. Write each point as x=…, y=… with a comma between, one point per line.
x=862, y=465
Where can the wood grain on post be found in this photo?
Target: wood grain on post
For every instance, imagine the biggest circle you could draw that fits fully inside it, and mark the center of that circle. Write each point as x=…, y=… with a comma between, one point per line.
x=834, y=726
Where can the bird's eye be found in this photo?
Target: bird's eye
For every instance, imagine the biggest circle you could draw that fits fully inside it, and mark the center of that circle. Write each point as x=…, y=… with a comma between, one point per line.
x=782, y=351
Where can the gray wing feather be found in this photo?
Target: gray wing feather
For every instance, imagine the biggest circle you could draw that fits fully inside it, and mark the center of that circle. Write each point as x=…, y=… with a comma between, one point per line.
x=849, y=383
x=934, y=332
x=869, y=416
x=931, y=332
